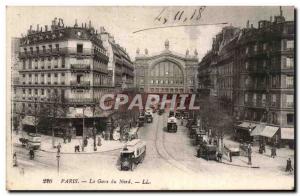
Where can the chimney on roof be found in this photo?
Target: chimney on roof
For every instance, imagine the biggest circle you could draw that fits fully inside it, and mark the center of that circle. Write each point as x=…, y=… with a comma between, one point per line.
x=271, y=18
x=251, y=26
x=46, y=27
x=85, y=25
x=280, y=10
x=41, y=29
x=102, y=30
x=76, y=24
x=37, y=27
x=90, y=24
x=247, y=24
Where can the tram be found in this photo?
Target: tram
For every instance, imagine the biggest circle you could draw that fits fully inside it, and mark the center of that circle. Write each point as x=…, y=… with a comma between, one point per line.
x=132, y=154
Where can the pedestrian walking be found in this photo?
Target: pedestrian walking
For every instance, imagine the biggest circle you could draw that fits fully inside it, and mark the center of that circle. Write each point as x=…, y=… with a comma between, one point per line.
x=15, y=161
x=31, y=153
x=85, y=142
x=58, y=148
x=273, y=152
x=289, y=167
x=249, y=154
x=69, y=138
x=230, y=156
x=65, y=139
x=219, y=156
x=264, y=147
x=99, y=141
x=77, y=148
x=260, y=150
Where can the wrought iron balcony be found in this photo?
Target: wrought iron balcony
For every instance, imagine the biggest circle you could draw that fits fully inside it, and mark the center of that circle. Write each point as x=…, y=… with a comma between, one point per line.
x=83, y=84
x=80, y=100
x=80, y=67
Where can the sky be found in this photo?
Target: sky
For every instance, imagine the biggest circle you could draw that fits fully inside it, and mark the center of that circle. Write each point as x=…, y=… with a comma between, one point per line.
x=121, y=22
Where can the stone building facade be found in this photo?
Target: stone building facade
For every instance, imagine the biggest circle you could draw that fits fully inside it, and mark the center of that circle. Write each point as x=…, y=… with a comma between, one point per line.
x=119, y=64
x=63, y=71
x=261, y=79
x=166, y=72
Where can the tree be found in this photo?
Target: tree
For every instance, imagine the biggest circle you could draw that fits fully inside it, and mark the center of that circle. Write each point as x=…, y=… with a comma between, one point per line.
x=215, y=117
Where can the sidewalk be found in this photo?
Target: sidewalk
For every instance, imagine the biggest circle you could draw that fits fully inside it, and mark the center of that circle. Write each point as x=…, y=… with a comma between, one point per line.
x=261, y=160
x=46, y=144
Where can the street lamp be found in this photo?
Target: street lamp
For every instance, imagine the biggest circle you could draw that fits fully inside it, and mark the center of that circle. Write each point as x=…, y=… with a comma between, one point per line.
x=83, y=126
x=57, y=158
x=70, y=132
x=94, y=134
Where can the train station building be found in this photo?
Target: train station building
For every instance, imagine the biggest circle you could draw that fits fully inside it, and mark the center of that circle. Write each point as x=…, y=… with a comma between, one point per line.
x=166, y=72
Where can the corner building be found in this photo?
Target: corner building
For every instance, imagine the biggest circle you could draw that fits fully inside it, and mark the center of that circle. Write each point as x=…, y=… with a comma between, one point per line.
x=65, y=66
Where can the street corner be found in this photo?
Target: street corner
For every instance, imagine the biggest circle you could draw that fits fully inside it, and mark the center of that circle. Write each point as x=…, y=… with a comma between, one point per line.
x=75, y=146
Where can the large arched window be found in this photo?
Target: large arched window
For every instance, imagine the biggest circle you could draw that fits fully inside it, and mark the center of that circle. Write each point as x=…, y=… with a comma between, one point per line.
x=167, y=73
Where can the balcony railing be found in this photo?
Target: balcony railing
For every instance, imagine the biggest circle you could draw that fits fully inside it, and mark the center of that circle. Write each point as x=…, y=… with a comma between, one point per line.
x=100, y=69
x=64, y=51
x=80, y=67
x=80, y=84
x=80, y=100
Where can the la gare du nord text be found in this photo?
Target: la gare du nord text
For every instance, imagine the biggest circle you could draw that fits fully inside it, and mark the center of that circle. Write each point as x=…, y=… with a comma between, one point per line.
x=181, y=102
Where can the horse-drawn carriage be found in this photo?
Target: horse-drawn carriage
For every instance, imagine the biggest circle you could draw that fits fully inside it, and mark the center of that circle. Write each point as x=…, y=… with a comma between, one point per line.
x=207, y=151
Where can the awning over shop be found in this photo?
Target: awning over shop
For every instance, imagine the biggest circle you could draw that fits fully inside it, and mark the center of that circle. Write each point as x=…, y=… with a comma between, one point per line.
x=29, y=120
x=88, y=113
x=269, y=131
x=287, y=133
x=246, y=125
x=257, y=130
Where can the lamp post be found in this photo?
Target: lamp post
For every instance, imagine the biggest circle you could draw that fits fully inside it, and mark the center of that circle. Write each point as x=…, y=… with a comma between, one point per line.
x=70, y=132
x=35, y=112
x=94, y=134
x=58, y=158
x=83, y=135
x=21, y=123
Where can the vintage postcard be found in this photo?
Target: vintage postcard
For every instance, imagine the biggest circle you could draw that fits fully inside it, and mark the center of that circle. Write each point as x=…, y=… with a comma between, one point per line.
x=150, y=98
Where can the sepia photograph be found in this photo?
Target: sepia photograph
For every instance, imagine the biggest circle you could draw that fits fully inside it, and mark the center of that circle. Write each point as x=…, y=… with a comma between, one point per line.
x=150, y=98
